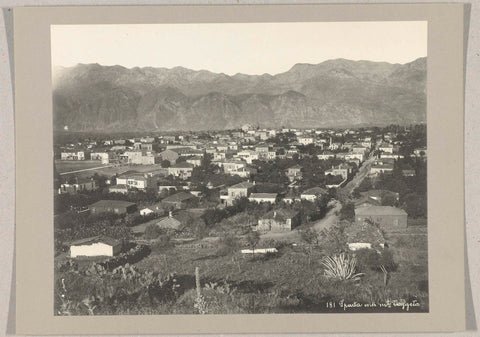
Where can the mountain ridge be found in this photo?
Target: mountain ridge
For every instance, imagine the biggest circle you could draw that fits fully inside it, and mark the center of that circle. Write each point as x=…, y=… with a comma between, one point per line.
x=90, y=97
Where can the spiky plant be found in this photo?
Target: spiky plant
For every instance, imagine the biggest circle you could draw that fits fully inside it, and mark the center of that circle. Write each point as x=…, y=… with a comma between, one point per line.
x=341, y=267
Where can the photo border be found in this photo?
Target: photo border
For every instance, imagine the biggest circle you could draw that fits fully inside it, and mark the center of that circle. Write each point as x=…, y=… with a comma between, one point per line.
x=34, y=171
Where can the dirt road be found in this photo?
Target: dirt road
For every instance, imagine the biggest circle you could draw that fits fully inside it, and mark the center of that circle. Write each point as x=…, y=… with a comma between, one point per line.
x=330, y=218
x=346, y=191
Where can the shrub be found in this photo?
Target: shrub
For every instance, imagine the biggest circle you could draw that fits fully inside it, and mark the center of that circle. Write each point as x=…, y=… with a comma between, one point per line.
x=374, y=260
x=134, y=255
x=152, y=232
x=272, y=243
x=341, y=267
x=163, y=241
x=124, y=289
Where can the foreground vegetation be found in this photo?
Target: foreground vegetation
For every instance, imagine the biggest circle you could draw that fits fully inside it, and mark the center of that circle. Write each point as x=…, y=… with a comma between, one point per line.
x=292, y=280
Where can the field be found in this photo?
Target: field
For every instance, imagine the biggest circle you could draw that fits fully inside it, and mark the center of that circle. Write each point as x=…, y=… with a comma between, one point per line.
x=65, y=166
x=94, y=166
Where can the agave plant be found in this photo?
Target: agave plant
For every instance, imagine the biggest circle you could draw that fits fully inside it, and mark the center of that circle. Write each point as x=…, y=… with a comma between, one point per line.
x=341, y=267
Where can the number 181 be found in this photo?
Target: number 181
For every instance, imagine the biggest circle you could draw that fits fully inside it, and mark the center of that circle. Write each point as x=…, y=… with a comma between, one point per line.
x=330, y=305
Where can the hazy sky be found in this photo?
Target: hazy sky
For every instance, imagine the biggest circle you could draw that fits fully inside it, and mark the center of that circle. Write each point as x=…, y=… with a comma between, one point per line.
x=249, y=48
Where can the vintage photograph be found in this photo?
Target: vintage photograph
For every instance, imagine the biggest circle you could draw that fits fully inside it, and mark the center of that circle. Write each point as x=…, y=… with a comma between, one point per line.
x=240, y=168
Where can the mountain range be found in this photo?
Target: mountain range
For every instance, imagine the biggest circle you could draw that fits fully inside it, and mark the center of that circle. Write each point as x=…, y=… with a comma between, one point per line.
x=92, y=97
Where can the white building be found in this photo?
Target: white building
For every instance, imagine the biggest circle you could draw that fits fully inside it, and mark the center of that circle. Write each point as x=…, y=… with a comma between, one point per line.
x=305, y=140
x=72, y=155
x=313, y=193
x=95, y=246
x=351, y=155
x=133, y=181
x=248, y=156
x=386, y=148
x=263, y=197
x=102, y=156
x=146, y=211
x=326, y=156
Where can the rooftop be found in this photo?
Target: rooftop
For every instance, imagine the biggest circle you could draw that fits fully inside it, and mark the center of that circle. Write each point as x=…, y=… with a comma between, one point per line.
x=94, y=239
x=112, y=203
x=380, y=193
x=169, y=222
x=181, y=196
x=137, y=176
x=379, y=210
x=383, y=166
x=280, y=214
x=182, y=165
x=314, y=191
x=263, y=195
x=243, y=184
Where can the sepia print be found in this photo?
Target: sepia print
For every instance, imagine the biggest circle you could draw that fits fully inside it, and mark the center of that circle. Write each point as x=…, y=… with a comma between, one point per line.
x=246, y=168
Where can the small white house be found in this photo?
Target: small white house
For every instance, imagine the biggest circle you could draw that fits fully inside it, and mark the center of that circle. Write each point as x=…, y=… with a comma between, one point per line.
x=362, y=245
x=95, y=246
x=259, y=251
x=312, y=194
x=146, y=211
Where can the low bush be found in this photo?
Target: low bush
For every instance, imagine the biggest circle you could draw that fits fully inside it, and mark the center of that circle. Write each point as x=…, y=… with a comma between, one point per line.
x=272, y=243
x=227, y=244
x=374, y=260
x=163, y=242
x=152, y=232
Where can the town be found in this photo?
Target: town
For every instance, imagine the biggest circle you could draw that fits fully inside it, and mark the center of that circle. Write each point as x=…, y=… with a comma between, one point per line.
x=251, y=220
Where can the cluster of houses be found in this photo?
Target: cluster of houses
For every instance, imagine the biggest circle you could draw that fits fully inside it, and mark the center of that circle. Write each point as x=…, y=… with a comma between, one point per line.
x=233, y=152
x=367, y=231
x=237, y=146
x=168, y=162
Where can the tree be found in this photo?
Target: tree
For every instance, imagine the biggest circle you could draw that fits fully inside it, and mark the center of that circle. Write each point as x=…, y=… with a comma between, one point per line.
x=334, y=240
x=100, y=180
x=347, y=212
x=227, y=244
x=365, y=185
x=415, y=205
x=212, y=216
x=253, y=238
x=311, y=237
x=165, y=163
x=199, y=228
x=389, y=200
